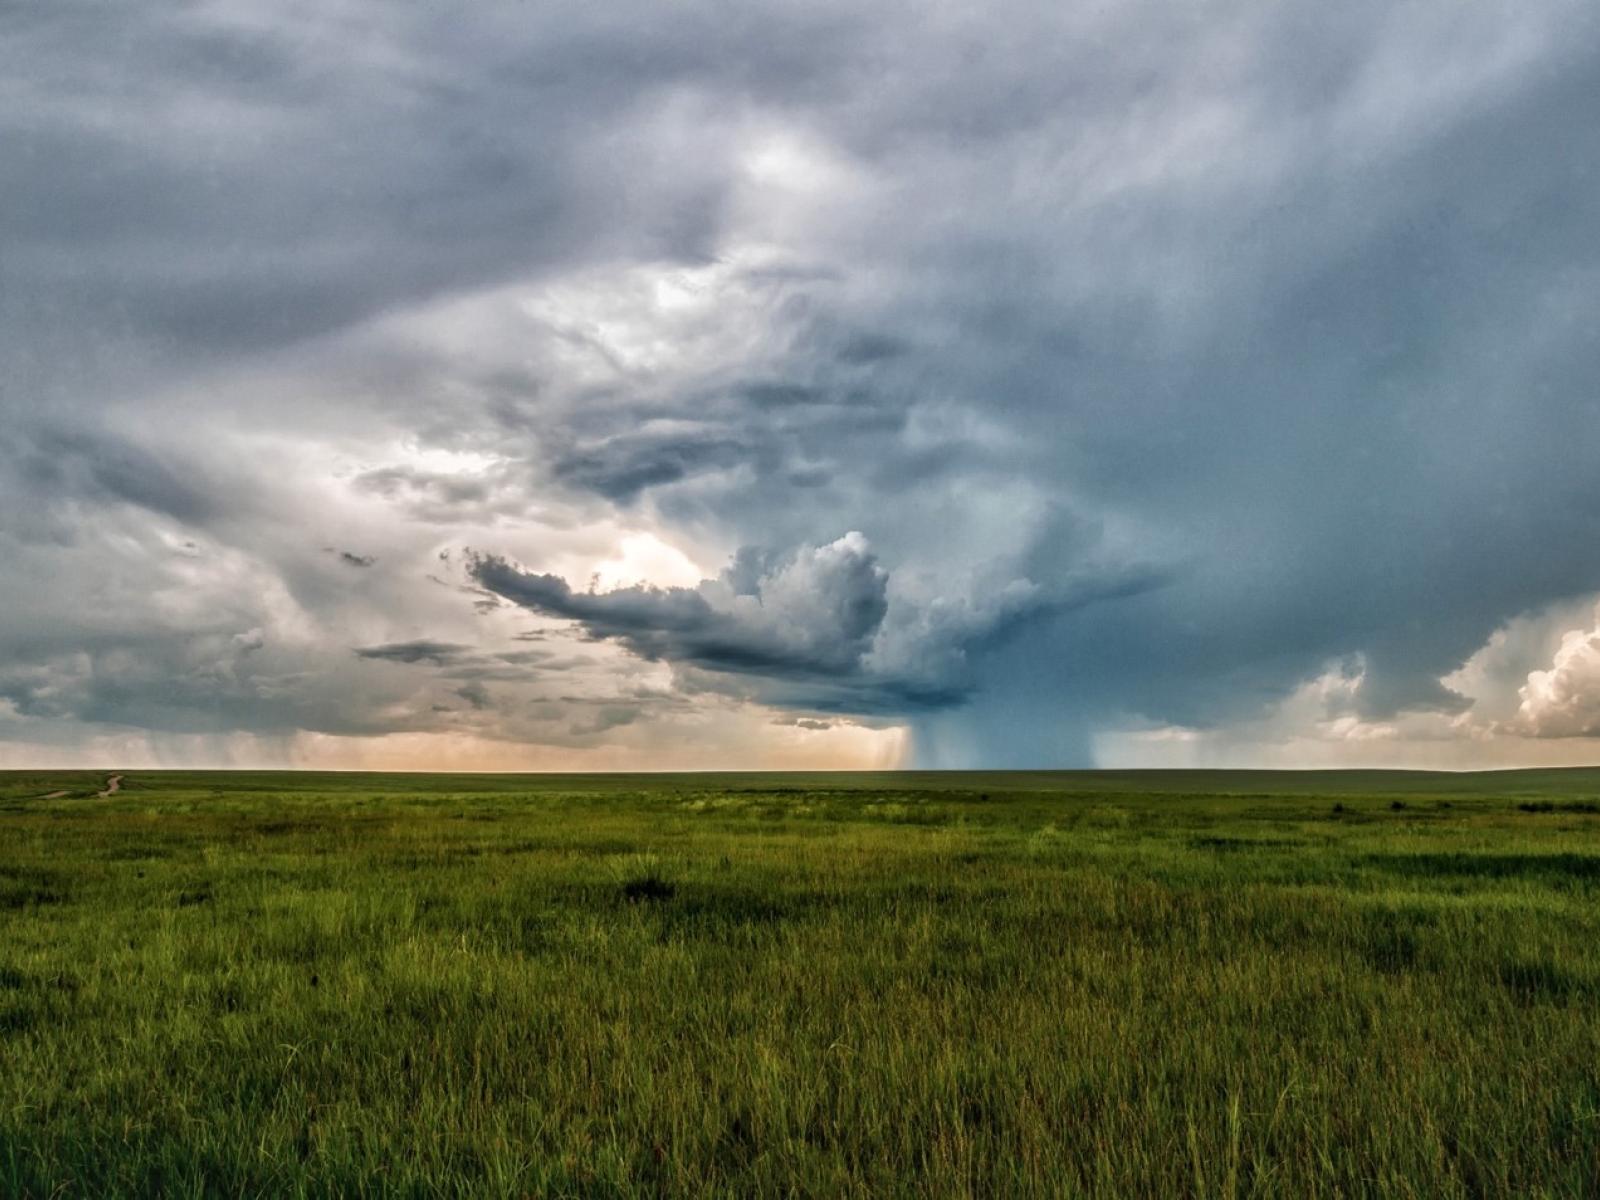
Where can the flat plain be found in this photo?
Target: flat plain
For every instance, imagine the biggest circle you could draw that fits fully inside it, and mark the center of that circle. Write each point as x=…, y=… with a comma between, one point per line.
x=1108, y=984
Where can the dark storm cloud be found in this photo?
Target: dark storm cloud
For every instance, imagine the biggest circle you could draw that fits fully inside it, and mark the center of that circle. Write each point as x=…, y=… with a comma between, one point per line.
x=802, y=635
x=439, y=653
x=52, y=465
x=813, y=614
x=235, y=180
x=773, y=430
x=621, y=468
x=607, y=717
x=459, y=662
x=1381, y=449
x=1289, y=307
x=815, y=628
x=475, y=694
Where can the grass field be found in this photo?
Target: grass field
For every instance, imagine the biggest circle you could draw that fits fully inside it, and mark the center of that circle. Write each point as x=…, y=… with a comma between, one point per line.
x=1115, y=984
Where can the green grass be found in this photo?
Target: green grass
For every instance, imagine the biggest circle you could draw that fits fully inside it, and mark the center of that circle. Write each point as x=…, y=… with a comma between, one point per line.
x=1163, y=984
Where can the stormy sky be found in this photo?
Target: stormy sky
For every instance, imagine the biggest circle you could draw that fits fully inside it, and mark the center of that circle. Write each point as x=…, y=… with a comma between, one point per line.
x=631, y=386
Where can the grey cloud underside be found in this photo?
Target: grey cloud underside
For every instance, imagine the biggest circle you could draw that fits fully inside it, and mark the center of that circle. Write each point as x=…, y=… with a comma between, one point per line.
x=438, y=653
x=1163, y=355
x=812, y=653
x=475, y=694
x=50, y=464
x=818, y=628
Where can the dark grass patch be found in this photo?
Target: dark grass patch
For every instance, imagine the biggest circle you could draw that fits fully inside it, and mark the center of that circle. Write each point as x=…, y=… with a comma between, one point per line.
x=1546, y=868
x=536, y=933
x=1548, y=806
x=134, y=852
x=191, y=896
x=1534, y=980
x=61, y=981
x=1393, y=951
x=1395, y=940
x=284, y=828
x=713, y=911
x=13, y=980
x=30, y=892
x=709, y=912
x=651, y=888
x=1244, y=843
x=413, y=860
x=38, y=876
x=228, y=996
x=738, y=1141
x=598, y=847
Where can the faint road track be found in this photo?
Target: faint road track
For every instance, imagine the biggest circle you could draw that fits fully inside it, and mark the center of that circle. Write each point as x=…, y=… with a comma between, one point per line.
x=113, y=786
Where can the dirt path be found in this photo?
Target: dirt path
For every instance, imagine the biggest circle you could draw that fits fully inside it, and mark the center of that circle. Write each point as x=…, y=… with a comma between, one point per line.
x=54, y=795
x=113, y=786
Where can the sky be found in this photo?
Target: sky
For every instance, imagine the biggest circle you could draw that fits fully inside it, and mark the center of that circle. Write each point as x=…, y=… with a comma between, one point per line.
x=633, y=386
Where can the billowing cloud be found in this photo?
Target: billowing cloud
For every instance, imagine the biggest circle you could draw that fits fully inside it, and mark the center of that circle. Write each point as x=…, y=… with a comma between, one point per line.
x=813, y=613
x=816, y=628
x=1564, y=701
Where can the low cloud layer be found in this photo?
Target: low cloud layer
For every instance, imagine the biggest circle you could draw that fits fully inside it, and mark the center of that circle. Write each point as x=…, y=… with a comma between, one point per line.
x=1198, y=381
